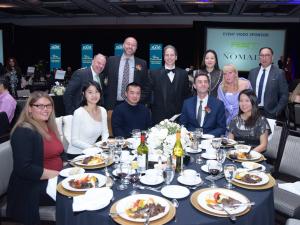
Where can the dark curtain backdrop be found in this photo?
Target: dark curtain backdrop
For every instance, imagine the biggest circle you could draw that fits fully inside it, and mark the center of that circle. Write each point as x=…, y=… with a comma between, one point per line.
x=30, y=44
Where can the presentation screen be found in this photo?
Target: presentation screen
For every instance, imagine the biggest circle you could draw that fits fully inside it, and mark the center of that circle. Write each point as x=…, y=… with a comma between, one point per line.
x=1, y=48
x=241, y=46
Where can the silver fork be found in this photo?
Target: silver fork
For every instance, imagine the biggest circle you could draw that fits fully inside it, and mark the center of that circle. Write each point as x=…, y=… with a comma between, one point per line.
x=147, y=218
x=231, y=216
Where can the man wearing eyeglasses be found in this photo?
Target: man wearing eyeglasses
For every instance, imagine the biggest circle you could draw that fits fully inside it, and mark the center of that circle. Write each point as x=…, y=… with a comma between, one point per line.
x=269, y=84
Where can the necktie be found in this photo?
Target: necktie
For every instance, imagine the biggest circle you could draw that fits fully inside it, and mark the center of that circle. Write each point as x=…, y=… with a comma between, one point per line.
x=125, y=79
x=199, y=116
x=168, y=71
x=260, y=86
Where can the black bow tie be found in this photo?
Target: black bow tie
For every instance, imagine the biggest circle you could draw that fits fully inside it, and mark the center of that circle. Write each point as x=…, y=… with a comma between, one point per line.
x=168, y=71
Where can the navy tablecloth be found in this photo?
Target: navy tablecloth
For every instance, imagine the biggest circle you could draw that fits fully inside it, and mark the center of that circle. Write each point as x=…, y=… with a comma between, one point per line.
x=262, y=213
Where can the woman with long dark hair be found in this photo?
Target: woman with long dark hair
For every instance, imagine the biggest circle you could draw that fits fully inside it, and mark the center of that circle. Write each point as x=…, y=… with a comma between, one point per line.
x=13, y=75
x=89, y=121
x=37, y=153
x=249, y=125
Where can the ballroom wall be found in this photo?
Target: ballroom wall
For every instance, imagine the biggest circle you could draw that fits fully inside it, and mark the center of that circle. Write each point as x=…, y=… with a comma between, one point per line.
x=29, y=44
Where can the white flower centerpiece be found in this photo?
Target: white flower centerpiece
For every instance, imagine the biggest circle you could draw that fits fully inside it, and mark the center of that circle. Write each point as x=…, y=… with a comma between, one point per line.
x=58, y=89
x=162, y=137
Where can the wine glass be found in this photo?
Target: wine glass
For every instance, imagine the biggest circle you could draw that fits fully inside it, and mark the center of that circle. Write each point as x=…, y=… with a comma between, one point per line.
x=221, y=155
x=216, y=143
x=120, y=141
x=214, y=168
x=123, y=170
x=134, y=178
x=229, y=172
x=168, y=175
x=198, y=133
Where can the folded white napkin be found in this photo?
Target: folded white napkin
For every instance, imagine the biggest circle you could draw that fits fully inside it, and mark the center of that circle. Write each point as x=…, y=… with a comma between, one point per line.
x=93, y=199
x=51, y=188
x=291, y=187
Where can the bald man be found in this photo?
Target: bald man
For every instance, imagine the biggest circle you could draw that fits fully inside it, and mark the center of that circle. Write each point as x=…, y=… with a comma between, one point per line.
x=122, y=70
x=73, y=94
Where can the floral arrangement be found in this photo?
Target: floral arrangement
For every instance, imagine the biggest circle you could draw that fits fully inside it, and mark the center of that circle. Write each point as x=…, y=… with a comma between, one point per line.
x=58, y=89
x=138, y=67
x=162, y=137
x=207, y=109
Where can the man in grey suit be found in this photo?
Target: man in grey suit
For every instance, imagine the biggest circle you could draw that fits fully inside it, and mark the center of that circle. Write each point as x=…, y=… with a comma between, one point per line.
x=269, y=84
x=73, y=94
x=122, y=70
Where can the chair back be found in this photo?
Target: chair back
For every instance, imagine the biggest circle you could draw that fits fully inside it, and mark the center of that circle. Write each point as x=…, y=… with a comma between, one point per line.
x=4, y=128
x=297, y=114
x=67, y=130
x=272, y=124
x=59, y=124
x=273, y=143
x=6, y=166
x=291, y=157
x=23, y=93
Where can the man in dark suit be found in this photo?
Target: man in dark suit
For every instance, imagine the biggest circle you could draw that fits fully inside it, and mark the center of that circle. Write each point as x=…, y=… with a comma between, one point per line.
x=73, y=94
x=203, y=110
x=269, y=84
x=122, y=70
x=170, y=86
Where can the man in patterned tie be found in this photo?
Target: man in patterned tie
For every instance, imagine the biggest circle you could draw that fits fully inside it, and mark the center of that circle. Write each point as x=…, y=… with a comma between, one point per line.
x=170, y=86
x=203, y=110
x=269, y=84
x=122, y=70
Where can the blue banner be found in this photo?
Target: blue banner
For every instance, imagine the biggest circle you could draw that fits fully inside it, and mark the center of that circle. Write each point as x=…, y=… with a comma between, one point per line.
x=86, y=55
x=55, y=56
x=155, y=56
x=118, y=49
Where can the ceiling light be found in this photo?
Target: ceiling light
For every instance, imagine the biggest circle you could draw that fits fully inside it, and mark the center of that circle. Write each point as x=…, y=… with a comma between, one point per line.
x=6, y=5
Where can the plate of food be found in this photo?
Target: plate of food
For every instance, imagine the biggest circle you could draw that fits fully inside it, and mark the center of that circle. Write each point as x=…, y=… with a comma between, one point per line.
x=92, y=151
x=253, y=166
x=244, y=155
x=213, y=200
x=136, y=207
x=92, y=160
x=106, y=144
x=253, y=178
x=228, y=143
x=71, y=171
x=83, y=182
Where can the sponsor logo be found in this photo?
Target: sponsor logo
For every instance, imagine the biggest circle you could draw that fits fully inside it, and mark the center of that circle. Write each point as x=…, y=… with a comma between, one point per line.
x=233, y=56
x=156, y=47
x=54, y=46
x=86, y=47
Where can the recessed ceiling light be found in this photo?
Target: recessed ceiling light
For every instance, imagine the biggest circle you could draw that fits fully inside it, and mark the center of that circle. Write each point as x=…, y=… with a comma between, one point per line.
x=6, y=5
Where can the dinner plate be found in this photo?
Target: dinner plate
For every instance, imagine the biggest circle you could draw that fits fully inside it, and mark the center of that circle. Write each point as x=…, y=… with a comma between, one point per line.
x=205, y=168
x=208, y=156
x=175, y=191
x=230, y=142
x=207, y=136
x=254, y=155
x=78, y=160
x=125, y=203
x=151, y=180
x=92, y=151
x=189, y=182
x=66, y=185
x=71, y=171
x=253, y=165
x=190, y=150
x=262, y=175
x=209, y=193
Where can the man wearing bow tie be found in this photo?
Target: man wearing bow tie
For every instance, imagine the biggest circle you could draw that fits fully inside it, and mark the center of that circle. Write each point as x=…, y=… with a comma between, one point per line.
x=170, y=86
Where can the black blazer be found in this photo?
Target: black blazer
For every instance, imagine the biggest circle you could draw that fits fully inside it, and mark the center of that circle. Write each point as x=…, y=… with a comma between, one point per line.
x=73, y=94
x=276, y=92
x=112, y=73
x=159, y=80
x=25, y=185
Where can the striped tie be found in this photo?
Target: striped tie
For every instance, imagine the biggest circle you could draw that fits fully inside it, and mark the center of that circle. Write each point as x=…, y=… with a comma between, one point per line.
x=125, y=79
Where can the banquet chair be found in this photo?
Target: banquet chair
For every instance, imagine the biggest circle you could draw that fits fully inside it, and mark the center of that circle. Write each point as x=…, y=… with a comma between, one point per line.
x=47, y=213
x=287, y=202
x=292, y=221
x=67, y=129
x=59, y=124
x=297, y=115
x=272, y=124
x=4, y=127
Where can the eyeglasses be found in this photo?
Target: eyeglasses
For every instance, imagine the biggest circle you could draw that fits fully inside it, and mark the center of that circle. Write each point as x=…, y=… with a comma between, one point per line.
x=265, y=56
x=41, y=107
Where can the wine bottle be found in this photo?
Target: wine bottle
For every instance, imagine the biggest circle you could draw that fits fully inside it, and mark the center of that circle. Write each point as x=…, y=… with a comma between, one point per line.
x=142, y=152
x=178, y=153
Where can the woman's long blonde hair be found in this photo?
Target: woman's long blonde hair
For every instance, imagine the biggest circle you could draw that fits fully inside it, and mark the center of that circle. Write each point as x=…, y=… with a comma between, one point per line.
x=295, y=93
x=225, y=86
x=26, y=119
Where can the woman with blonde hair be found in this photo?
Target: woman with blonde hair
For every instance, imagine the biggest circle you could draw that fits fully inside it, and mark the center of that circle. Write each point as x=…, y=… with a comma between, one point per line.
x=295, y=96
x=229, y=90
x=36, y=151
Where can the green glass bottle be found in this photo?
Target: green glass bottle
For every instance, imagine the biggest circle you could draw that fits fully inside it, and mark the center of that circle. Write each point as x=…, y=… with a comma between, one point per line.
x=142, y=152
x=178, y=153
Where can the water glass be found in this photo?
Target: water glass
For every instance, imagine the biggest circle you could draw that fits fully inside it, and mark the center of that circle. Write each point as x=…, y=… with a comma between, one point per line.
x=221, y=155
x=199, y=159
x=123, y=170
x=198, y=133
x=216, y=143
x=120, y=141
x=229, y=172
x=168, y=175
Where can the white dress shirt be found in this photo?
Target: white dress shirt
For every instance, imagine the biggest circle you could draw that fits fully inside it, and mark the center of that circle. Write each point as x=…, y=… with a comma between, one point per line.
x=171, y=75
x=265, y=82
x=204, y=104
x=86, y=130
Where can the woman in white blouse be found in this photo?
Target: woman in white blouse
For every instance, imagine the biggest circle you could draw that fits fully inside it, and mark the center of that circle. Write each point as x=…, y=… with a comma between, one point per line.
x=89, y=121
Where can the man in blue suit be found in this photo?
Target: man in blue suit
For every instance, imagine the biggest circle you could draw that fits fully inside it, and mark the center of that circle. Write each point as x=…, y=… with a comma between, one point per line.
x=203, y=110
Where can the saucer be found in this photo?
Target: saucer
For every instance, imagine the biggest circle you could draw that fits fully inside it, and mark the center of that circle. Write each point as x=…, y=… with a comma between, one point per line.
x=190, y=150
x=190, y=182
x=175, y=191
x=208, y=156
x=205, y=168
x=151, y=180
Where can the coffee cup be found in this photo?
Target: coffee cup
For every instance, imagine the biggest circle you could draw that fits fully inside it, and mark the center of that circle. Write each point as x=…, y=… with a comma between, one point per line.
x=206, y=144
x=190, y=175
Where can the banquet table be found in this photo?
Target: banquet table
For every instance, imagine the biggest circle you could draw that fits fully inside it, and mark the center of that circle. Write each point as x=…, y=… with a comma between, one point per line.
x=262, y=213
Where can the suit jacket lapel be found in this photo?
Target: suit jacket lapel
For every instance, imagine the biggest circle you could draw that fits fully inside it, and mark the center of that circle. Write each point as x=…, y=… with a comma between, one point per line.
x=255, y=78
x=116, y=67
x=206, y=115
x=270, y=77
x=176, y=79
x=193, y=108
x=164, y=78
